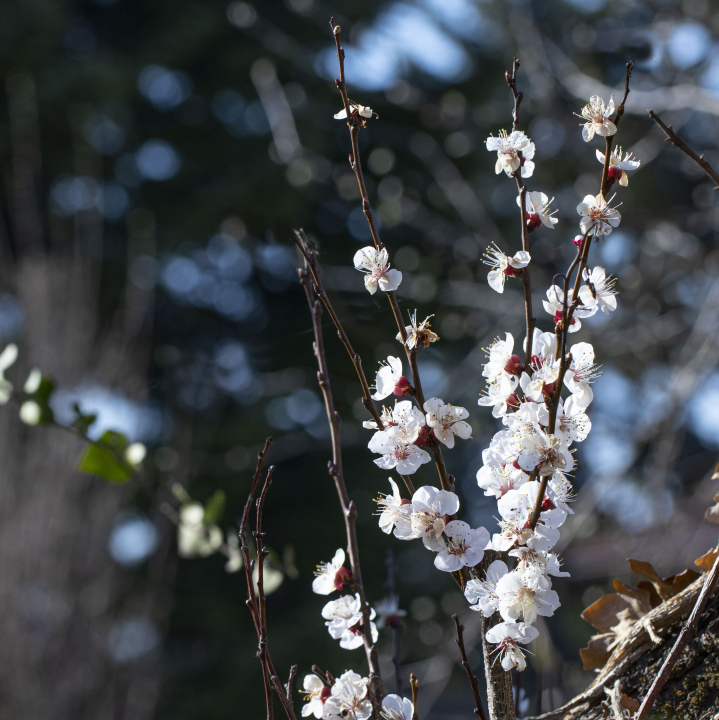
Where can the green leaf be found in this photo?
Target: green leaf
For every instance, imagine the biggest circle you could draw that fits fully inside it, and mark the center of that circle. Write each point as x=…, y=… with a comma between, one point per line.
x=215, y=507
x=104, y=458
x=82, y=421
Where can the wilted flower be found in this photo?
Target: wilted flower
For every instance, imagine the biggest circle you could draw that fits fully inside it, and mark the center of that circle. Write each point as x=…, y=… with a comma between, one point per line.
x=418, y=335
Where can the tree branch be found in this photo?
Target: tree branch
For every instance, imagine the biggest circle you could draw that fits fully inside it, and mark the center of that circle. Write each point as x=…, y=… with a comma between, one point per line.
x=478, y=710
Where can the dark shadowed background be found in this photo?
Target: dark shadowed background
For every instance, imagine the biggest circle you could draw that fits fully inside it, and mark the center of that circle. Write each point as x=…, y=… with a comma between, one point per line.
x=156, y=157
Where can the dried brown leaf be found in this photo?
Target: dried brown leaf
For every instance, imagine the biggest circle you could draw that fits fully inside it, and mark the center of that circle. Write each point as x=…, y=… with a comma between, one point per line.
x=712, y=513
x=682, y=580
x=597, y=651
x=705, y=562
x=647, y=570
x=654, y=598
x=628, y=702
x=641, y=596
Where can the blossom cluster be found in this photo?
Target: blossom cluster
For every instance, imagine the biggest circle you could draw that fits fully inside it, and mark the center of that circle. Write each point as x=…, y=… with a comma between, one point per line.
x=527, y=463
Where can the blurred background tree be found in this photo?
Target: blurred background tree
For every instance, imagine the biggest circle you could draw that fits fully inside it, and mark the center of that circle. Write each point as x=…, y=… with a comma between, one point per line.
x=156, y=157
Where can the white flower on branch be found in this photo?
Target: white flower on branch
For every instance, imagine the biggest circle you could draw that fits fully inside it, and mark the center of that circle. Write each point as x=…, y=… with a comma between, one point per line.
x=375, y=264
x=447, y=421
x=348, y=700
x=316, y=693
x=543, y=380
x=582, y=372
x=389, y=613
x=525, y=595
x=407, y=458
x=545, y=562
x=598, y=118
x=513, y=151
x=395, y=707
x=387, y=378
x=508, y=636
x=618, y=168
x=332, y=575
x=344, y=621
x=498, y=479
x=561, y=492
x=362, y=110
x=7, y=358
x=501, y=359
x=599, y=290
x=394, y=513
x=598, y=218
x=554, y=305
x=545, y=452
x=463, y=546
x=500, y=395
x=573, y=424
x=482, y=594
x=503, y=265
x=431, y=510
x=418, y=335
x=537, y=209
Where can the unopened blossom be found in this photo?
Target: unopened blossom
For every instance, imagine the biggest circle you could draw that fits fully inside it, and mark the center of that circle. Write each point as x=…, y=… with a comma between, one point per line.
x=332, y=575
x=387, y=378
x=508, y=636
x=431, y=511
x=344, y=621
x=447, y=421
x=7, y=358
x=502, y=359
x=394, y=513
x=348, y=700
x=395, y=707
x=503, y=265
x=418, y=335
x=316, y=693
x=525, y=595
x=513, y=151
x=598, y=291
x=362, y=110
x=463, y=546
x=598, y=118
x=375, y=264
x=389, y=613
x=554, y=305
x=500, y=395
x=618, y=168
x=537, y=209
x=544, y=452
x=481, y=594
x=581, y=373
x=598, y=218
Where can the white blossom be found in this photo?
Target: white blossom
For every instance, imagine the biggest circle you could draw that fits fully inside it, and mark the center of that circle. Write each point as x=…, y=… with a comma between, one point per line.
x=481, y=594
x=598, y=218
x=599, y=290
x=463, y=546
x=315, y=692
x=375, y=264
x=573, y=424
x=508, y=636
x=537, y=209
x=503, y=265
x=447, y=421
x=545, y=452
x=431, y=510
x=501, y=359
x=525, y=595
x=618, y=168
x=348, y=700
x=598, y=118
x=497, y=479
x=7, y=358
x=394, y=513
x=513, y=151
x=344, y=621
x=418, y=334
x=332, y=575
x=387, y=377
x=545, y=562
x=554, y=305
x=500, y=395
x=396, y=453
x=581, y=373
x=362, y=110
x=395, y=707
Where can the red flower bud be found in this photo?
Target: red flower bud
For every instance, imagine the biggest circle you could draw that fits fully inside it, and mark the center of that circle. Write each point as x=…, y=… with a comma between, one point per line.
x=513, y=401
x=614, y=174
x=406, y=501
x=509, y=271
x=547, y=503
x=578, y=240
x=422, y=438
x=513, y=366
x=533, y=222
x=325, y=693
x=342, y=576
x=548, y=389
x=403, y=387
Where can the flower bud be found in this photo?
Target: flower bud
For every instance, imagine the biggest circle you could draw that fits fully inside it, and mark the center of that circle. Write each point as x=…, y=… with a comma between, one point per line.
x=513, y=401
x=342, y=576
x=614, y=174
x=422, y=438
x=533, y=222
x=578, y=240
x=513, y=366
x=326, y=690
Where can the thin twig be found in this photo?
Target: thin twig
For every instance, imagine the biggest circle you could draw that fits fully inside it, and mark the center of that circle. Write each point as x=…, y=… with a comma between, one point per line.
x=518, y=96
x=414, y=684
x=290, y=681
x=478, y=710
x=610, y=138
x=687, y=633
x=679, y=143
x=355, y=123
x=349, y=510
x=396, y=627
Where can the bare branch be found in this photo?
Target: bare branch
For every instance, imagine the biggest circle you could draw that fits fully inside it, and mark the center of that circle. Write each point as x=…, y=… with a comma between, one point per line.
x=414, y=683
x=679, y=143
x=478, y=710
x=511, y=79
